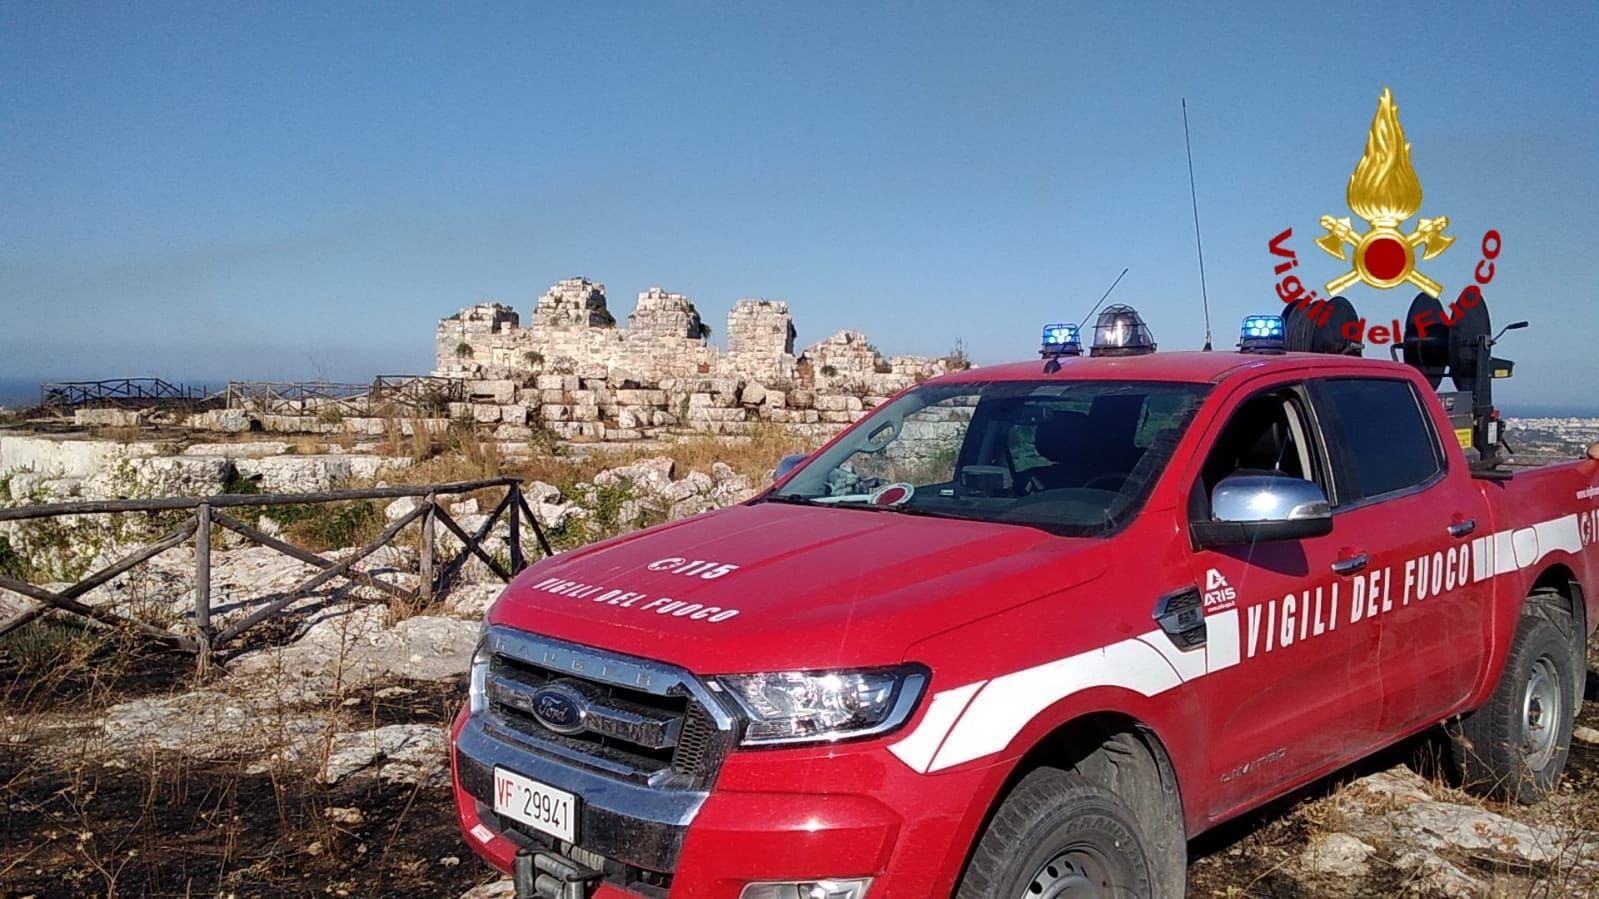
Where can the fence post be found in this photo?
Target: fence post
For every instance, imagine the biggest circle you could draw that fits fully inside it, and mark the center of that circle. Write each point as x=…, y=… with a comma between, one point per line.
x=424, y=587
x=514, y=507
x=202, y=581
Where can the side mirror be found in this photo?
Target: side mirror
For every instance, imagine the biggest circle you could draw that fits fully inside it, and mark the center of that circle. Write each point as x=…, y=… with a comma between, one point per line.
x=1253, y=508
x=786, y=465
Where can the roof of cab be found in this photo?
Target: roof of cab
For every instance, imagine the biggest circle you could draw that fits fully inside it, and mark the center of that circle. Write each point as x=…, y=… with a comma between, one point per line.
x=1190, y=366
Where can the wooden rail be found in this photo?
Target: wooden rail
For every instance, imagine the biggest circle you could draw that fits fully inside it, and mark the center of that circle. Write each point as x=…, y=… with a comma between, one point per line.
x=118, y=392
x=420, y=395
x=203, y=637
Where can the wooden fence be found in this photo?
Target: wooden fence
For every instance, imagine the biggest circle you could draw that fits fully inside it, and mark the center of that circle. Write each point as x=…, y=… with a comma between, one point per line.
x=419, y=395
x=119, y=392
x=207, y=514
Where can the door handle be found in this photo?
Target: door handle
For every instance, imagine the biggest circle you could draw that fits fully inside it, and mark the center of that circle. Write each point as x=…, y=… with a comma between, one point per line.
x=1462, y=528
x=1350, y=565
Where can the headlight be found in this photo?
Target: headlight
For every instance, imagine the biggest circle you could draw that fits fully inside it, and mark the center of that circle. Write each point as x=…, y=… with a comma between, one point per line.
x=819, y=706
x=477, y=694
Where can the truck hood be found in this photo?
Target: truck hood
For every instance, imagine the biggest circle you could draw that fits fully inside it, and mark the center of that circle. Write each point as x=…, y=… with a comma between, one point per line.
x=800, y=586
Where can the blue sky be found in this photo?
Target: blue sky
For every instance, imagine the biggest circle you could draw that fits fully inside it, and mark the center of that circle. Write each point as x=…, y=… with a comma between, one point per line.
x=299, y=190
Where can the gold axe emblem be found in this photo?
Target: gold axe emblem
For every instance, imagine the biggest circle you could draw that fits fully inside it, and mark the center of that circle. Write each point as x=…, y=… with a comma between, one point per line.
x=1384, y=191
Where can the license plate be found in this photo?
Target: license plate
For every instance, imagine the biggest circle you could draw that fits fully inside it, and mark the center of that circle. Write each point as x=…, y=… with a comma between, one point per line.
x=539, y=806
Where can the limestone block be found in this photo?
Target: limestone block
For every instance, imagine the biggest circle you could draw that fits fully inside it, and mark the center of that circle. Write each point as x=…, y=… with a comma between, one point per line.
x=496, y=391
x=852, y=403
x=776, y=399
x=107, y=418
x=485, y=413
x=640, y=397
x=836, y=417
x=514, y=414
x=550, y=382
x=699, y=401
x=623, y=434
x=553, y=412
x=510, y=432
x=552, y=396
x=581, y=397
x=588, y=413
x=460, y=410
x=753, y=394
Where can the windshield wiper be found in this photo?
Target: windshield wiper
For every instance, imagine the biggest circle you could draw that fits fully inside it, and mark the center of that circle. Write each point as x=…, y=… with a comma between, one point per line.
x=792, y=499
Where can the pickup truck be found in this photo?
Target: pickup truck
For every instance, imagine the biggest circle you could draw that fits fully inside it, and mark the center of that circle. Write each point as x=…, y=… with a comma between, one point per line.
x=1024, y=632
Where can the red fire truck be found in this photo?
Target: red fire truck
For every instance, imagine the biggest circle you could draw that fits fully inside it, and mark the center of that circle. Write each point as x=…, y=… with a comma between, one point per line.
x=1024, y=630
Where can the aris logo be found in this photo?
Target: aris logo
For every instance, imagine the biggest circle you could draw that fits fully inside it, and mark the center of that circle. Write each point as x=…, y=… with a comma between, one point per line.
x=1385, y=192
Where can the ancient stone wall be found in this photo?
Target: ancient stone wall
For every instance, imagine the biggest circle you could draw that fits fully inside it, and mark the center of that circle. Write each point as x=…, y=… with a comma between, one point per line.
x=574, y=372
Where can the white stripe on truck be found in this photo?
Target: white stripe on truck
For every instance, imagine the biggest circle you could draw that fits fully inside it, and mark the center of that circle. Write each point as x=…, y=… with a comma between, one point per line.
x=981, y=718
x=985, y=724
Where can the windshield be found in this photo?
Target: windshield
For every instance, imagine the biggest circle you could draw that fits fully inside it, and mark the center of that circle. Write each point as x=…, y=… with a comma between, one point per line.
x=1076, y=458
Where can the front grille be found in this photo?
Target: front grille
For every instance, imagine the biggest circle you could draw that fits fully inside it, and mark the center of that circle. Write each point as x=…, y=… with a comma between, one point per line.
x=651, y=734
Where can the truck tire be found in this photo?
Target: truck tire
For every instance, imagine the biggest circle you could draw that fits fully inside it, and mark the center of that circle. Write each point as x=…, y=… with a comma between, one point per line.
x=1059, y=834
x=1515, y=746
x=1550, y=604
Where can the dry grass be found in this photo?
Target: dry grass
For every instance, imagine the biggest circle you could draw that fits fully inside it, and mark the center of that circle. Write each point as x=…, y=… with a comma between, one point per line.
x=753, y=456
x=461, y=454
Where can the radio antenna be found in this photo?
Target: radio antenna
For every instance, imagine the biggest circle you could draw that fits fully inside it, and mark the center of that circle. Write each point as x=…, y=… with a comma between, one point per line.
x=1199, y=245
x=1102, y=297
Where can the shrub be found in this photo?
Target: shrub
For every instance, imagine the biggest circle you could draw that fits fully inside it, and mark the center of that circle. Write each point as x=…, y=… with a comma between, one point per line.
x=956, y=359
x=463, y=350
x=324, y=526
x=829, y=371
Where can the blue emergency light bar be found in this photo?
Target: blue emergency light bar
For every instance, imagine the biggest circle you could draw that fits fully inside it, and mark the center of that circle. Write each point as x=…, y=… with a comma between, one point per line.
x=1061, y=340
x=1263, y=334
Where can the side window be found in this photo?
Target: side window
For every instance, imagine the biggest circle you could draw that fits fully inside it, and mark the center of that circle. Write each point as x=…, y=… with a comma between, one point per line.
x=1267, y=434
x=1378, y=436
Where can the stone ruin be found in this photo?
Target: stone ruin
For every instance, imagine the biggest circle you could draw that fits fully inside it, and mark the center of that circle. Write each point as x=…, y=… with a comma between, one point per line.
x=575, y=372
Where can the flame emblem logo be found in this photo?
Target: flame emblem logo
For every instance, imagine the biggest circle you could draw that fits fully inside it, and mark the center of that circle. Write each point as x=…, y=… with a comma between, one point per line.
x=1384, y=191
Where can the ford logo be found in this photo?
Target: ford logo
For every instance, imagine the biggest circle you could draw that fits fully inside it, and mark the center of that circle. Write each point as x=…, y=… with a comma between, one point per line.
x=560, y=708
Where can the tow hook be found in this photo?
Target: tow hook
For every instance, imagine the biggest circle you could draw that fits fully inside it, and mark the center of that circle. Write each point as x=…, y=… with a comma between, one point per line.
x=546, y=875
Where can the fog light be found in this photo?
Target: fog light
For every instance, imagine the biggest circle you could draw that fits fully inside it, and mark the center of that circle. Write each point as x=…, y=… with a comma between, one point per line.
x=854, y=888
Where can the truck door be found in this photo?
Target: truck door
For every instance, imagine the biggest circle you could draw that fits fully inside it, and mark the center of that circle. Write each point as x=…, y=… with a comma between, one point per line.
x=1299, y=698
x=1410, y=520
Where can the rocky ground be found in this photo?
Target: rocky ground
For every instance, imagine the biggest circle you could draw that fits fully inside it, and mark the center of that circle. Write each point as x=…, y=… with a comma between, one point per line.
x=311, y=761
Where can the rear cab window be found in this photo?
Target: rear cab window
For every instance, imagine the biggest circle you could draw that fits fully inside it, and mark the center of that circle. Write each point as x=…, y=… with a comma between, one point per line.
x=1379, y=439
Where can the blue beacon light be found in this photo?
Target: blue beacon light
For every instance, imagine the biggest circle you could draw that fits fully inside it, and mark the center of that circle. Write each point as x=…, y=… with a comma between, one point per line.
x=1060, y=339
x=1262, y=334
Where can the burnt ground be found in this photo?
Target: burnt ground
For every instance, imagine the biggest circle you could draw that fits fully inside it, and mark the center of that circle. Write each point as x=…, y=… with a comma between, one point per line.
x=165, y=826
x=169, y=827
